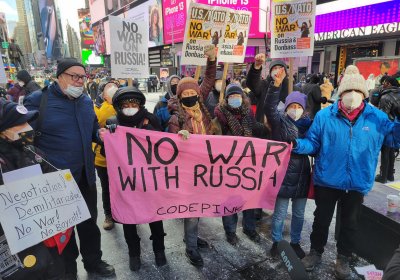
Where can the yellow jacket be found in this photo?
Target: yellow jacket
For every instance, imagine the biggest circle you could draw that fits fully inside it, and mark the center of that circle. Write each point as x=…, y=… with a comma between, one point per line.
x=103, y=113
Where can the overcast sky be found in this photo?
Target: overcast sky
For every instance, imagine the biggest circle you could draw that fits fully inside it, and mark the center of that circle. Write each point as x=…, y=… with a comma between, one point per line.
x=68, y=10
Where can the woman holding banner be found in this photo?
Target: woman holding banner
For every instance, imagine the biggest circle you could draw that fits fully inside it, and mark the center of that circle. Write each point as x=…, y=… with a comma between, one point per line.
x=192, y=116
x=129, y=104
x=286, y=127
x=237, y=119
x=41, y=261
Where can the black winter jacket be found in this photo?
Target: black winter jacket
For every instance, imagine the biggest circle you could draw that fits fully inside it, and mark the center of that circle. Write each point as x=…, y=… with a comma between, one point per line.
x=389, y=101
x=12, y=158
x=259, y=88
x=297, y=179
x=31, y=86
x=392, y=270
x=313, y=93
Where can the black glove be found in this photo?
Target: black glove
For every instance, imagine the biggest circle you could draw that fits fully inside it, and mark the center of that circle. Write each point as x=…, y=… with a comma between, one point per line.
x=323, y=100
x=294, y=143
x=111, y=127
x=396, y=111
x=102, y=151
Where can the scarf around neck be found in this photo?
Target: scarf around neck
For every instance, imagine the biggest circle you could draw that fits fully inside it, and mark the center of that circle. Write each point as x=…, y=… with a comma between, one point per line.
x=196, y=118
x=353, y=114
x=238, y=126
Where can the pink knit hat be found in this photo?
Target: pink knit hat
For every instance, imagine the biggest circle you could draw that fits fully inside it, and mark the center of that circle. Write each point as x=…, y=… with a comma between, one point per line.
x=185, y=84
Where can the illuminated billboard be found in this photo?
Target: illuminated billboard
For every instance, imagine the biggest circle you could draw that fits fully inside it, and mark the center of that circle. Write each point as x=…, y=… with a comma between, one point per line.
x=85, y=28
x=364, y=20
x=89, y=57
x=246, y=5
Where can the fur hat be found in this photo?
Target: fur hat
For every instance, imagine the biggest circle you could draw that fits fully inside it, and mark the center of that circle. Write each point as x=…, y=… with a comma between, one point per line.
x=296, y=97
x=187, y=83
x=353, y=80
x=233, y=89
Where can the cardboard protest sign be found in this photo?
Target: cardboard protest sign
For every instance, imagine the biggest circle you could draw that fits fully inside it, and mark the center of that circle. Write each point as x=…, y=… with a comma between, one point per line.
x=156, y=176
x=205, y=25
x=233, y=49
x=37, y=208
x=129, y=51
x=293, y=23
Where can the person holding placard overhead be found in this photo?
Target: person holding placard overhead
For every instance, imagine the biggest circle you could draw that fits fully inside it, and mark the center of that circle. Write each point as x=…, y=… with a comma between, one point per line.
x=41, y=261
x=192, y=116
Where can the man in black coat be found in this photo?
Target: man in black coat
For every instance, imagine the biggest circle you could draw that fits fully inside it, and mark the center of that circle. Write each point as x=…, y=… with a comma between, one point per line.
x=389, y=102
x=259, y=87
x=314, y=97
x=26, y=81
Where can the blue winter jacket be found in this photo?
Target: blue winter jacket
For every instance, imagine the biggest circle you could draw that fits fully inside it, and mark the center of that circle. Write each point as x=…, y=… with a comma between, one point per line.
x=67, y=131
x=162, y=113
x=347, y=154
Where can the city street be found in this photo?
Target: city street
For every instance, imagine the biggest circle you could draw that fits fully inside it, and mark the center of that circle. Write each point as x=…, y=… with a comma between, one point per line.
x=319, y=78
x=222, y=261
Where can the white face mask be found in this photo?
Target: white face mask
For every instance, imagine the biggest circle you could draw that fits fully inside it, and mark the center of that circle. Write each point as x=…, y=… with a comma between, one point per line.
x=274, y=73
x=74, y=92
x=295, y=114
x=352, y=100
x=218, y=86
x=21, y=84
x=129, y=112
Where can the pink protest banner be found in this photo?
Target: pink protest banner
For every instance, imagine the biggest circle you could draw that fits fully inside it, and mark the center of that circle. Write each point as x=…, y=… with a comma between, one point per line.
x=157, y=175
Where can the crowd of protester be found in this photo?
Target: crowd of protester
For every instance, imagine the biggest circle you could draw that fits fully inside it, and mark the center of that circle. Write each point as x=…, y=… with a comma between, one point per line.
x=65, y=121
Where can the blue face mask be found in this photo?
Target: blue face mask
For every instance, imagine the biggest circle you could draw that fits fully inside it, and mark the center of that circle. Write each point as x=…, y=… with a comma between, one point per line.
x=235, y=102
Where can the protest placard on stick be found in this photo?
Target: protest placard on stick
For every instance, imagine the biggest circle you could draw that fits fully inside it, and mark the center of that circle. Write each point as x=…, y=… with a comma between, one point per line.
x=293, y=24
x=129, y=51
x=205, y=25
x=233, y=48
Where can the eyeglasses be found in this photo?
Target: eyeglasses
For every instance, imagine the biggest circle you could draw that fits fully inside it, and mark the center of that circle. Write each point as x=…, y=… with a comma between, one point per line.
x=76, y=77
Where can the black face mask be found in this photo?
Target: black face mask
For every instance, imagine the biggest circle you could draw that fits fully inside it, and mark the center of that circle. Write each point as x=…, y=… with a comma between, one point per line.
x=190, y=101
x=173, y=89
x=26, y=138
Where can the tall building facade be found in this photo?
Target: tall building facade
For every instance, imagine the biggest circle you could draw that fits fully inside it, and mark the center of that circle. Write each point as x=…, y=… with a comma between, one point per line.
x=21, y=30
x=74, y=44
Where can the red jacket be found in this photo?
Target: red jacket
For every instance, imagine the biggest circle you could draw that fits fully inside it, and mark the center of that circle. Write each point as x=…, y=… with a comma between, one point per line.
x=15, y=92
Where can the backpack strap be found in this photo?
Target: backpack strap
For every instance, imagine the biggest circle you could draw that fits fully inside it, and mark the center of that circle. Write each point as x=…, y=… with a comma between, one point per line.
x=42, y=108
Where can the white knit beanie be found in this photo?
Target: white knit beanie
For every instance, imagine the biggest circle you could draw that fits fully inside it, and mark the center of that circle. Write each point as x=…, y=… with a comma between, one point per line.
x=353, y=80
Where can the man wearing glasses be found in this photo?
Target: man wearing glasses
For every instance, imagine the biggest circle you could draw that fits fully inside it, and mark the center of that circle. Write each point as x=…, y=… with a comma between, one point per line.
x=64, y=132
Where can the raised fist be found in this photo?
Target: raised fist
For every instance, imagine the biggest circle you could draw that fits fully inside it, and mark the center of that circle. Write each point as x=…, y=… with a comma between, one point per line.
x=259, y=60
x=209, y=51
